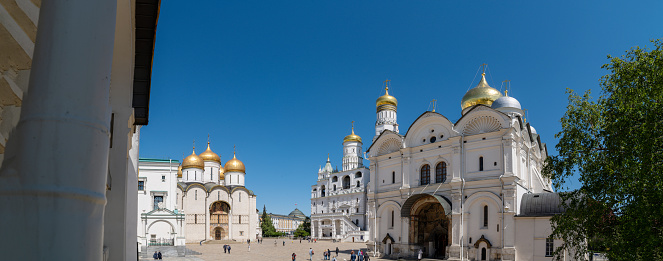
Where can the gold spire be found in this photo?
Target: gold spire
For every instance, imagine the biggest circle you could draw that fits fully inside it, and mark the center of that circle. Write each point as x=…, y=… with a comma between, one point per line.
x=193, y=161
x=481, y=94
x=234, y=165
x=386, y=101
x=208, y=155
x=351, y=137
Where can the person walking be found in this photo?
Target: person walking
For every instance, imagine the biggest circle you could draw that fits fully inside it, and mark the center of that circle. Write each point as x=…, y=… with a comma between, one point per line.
x=361, y=255
x=229, y=249
x=366, y=256
x=328, y=254
x=353, y=257
x=310, y=253
x=155, y=256
x=283, y=242
x=225, y=248
x=420, y=255
x=293, y=256
x=159, y=255
x=334, y=258
x=336, y=251
x=249, y=247
x=274, y=243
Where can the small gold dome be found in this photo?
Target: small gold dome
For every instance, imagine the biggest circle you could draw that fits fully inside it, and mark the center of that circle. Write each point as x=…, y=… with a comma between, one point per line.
x=352, y=137
x=234, y=165
x=386, y=99
x=208, y=155
x=193, y=161
x=179, y=171
x=222, y=176
x=481, y=94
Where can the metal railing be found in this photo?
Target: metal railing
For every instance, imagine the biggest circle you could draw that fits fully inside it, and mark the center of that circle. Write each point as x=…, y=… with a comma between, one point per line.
x=162, y=242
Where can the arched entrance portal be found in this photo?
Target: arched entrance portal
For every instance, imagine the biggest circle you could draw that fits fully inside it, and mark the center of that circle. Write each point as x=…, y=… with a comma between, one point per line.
x=429, y=226
x=219, y=233
x=219, y=211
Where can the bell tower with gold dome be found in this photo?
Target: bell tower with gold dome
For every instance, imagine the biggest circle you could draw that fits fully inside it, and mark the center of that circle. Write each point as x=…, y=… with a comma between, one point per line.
x=386, y=112
x=352, y=151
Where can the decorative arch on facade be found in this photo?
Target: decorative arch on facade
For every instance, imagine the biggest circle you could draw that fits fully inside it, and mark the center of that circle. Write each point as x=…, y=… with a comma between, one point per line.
x=190, y=186
x=409, y=203
x=172, y=227
x=482, y=239
x=346, y=182
x=389, y=205
x=487, y=196
x=427, y=125
x=219, y=187
x=241, y=188
x=481, y=119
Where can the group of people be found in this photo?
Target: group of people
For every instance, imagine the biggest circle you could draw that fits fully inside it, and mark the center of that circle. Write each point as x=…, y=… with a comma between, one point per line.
x=360, y=256
x=226, y=248
x=157, y=255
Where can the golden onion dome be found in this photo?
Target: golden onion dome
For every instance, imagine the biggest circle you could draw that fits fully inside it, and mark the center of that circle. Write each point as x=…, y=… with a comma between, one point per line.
x=222, y=176
x=179, y=171
x=481, y=94
x=352, y=137
x=234, y=165
x=193, y=161
x=386, y=99
x=208, y=155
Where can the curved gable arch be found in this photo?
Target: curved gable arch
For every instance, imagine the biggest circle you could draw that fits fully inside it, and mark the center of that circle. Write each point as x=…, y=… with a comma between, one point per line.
x=427, y=125
x=172, y=227
x=483, y=196
x=387, y=142
x=482, y=121
x=190, y=186
x=391, y=204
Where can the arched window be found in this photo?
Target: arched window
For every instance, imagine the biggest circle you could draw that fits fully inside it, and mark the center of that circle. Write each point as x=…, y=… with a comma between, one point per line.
x=392, y=218
x=334, y=187
x=485, y=216
x=335, y=179
x=393, y=177
x=358, y=175
x=425, y=174
x=441, y=172
x=481, y=163
x=346, y=182
x=358, y=183
x=483, y=253
x=323, y=190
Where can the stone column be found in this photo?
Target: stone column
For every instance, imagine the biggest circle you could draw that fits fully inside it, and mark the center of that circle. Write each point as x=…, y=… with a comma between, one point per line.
x=454, y=249
x=56, y=163
x=334, y=228
x=405, y=169
x=208, y=218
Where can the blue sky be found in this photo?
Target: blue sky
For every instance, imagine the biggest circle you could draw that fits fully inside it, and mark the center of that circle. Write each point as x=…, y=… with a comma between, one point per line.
x=282, y=80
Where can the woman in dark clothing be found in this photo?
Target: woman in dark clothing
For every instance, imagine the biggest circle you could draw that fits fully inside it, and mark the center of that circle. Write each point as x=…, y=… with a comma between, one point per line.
x=159, y=255
x=353, y=257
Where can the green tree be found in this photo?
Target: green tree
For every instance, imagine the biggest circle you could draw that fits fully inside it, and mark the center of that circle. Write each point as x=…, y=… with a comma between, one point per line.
x=615, y=145
x=304, y=228
x=267, y=226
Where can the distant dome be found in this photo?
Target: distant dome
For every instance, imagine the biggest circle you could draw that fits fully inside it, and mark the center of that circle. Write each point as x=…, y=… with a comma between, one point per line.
x=506, y=101
x=222, y=176
x=386, y=101
x=297, y=213
x=193, y=161
x=352, y=137
x=533, y=129
x=179, y=171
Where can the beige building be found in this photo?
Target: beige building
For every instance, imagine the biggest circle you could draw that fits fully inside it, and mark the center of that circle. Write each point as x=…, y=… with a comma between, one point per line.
x=74, y=90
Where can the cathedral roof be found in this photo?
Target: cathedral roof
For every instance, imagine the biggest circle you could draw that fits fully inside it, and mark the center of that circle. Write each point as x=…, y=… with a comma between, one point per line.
x=234, y=165
x=193, y=161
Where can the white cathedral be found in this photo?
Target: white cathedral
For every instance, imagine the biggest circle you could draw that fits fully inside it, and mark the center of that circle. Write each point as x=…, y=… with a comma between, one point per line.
x=465, y=190
x=198, y=200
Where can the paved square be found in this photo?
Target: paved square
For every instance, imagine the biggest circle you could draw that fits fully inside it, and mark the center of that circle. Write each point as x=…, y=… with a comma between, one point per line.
x=270, y=251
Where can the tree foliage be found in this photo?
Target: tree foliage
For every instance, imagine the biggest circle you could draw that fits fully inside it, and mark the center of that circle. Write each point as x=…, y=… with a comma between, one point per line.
x=267, y=226
x=304, y=228
x=615, y=145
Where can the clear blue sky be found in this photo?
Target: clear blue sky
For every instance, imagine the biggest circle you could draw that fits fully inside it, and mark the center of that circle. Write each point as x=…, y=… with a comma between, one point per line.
x=283, y=79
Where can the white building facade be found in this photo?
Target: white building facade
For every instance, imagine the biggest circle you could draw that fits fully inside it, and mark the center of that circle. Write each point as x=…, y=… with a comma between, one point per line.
x=198, y=200
x=338, y=199
x=454, y=190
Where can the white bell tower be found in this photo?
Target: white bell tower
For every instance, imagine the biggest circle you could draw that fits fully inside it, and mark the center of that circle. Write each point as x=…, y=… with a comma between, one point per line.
x=386, y=112
x=352, y=151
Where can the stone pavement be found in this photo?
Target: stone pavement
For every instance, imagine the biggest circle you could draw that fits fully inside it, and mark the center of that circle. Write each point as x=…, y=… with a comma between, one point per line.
x=268, y=251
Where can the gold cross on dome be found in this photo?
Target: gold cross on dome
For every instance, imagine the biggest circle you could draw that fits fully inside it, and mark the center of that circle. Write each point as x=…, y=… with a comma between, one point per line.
x=386, y=84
